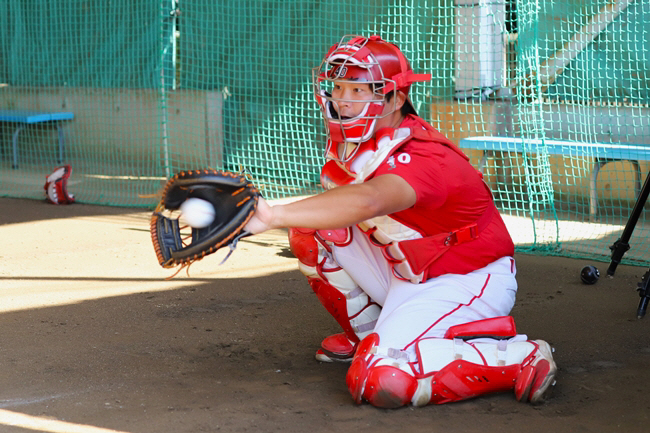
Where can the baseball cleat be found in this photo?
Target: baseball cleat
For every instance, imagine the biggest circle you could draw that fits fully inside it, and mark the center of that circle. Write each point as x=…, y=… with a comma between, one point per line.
x=337, y=348
x=536, y=379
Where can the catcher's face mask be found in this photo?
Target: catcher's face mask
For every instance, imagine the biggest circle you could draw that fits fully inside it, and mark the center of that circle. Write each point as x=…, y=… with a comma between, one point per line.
x=377, y=64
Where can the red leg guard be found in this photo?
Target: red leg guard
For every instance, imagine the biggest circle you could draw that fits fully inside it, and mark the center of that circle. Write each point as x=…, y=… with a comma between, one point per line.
x=356, y=379
x=350, y=306
x=337, y=347
x=386, y=378
x=461, y=380
x=335, y=304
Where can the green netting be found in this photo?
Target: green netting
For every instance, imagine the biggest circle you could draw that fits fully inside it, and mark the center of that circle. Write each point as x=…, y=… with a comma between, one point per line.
x=161, y=86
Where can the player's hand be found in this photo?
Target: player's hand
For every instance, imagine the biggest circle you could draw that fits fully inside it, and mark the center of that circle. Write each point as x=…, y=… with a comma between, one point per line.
x=262, y=218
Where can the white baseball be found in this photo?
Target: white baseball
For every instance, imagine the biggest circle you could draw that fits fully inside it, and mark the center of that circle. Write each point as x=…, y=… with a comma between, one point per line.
x=197, y=213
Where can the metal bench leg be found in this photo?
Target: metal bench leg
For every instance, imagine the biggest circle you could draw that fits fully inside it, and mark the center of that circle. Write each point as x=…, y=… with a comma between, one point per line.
x=637, y=179
x=15, y=145
x=483, y=162
x=593, y=193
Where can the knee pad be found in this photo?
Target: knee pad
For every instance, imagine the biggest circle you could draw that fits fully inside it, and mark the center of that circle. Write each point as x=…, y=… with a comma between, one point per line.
x=306, y=243
x=313, y=251
x=304, y=246
x=389, y=387
x=379, y=381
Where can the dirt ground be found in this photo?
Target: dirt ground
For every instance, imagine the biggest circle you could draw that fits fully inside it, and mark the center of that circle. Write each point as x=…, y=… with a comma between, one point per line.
x=95, y=339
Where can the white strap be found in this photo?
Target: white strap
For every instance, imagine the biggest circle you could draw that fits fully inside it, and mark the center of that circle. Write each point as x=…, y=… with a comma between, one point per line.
x=459, y=346
x=354, y=293
x=390, y=353
x=502, y=346
x=360, y=329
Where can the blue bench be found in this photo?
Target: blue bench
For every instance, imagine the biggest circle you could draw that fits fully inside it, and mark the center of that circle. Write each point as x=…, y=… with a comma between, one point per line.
x=23, y=118
x=602, y=153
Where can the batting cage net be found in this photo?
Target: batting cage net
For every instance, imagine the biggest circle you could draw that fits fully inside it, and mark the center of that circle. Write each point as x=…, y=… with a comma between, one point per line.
x=548, y=98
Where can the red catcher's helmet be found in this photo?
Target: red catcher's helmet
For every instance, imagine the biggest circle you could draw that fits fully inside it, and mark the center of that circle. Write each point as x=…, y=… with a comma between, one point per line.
x=359, y=59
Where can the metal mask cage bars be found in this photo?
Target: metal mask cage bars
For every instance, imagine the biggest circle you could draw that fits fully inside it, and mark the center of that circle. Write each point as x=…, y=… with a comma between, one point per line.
x=354, y=129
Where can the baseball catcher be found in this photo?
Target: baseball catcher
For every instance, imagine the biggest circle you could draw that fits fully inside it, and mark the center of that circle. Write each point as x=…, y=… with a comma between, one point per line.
x=234, y=199
x=406, y=248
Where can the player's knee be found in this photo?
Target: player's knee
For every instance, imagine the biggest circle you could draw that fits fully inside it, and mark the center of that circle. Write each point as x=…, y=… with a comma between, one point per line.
x=389, y=387
x=379, y=384
x=303, y=245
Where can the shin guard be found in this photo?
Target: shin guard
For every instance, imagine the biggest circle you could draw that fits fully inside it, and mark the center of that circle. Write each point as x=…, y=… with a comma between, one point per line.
x=340, y=295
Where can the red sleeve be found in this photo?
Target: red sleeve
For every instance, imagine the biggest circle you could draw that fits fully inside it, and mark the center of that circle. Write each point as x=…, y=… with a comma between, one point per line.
x=417, y=166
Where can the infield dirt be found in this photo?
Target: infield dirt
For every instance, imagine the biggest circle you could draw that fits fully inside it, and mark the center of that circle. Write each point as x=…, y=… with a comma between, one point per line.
x=94, y=336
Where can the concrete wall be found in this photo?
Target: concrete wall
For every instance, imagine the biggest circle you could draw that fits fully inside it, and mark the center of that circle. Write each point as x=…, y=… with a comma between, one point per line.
x=130, y=124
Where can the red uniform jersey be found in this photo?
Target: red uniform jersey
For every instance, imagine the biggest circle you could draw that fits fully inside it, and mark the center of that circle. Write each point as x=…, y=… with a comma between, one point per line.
x=451, y=194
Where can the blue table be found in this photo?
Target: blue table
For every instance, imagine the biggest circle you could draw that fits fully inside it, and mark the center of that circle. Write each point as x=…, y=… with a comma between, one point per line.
x=23, y=118
x=601, y=152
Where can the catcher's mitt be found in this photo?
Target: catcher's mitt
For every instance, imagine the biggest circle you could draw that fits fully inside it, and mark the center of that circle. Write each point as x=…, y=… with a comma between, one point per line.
x=234, y=198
